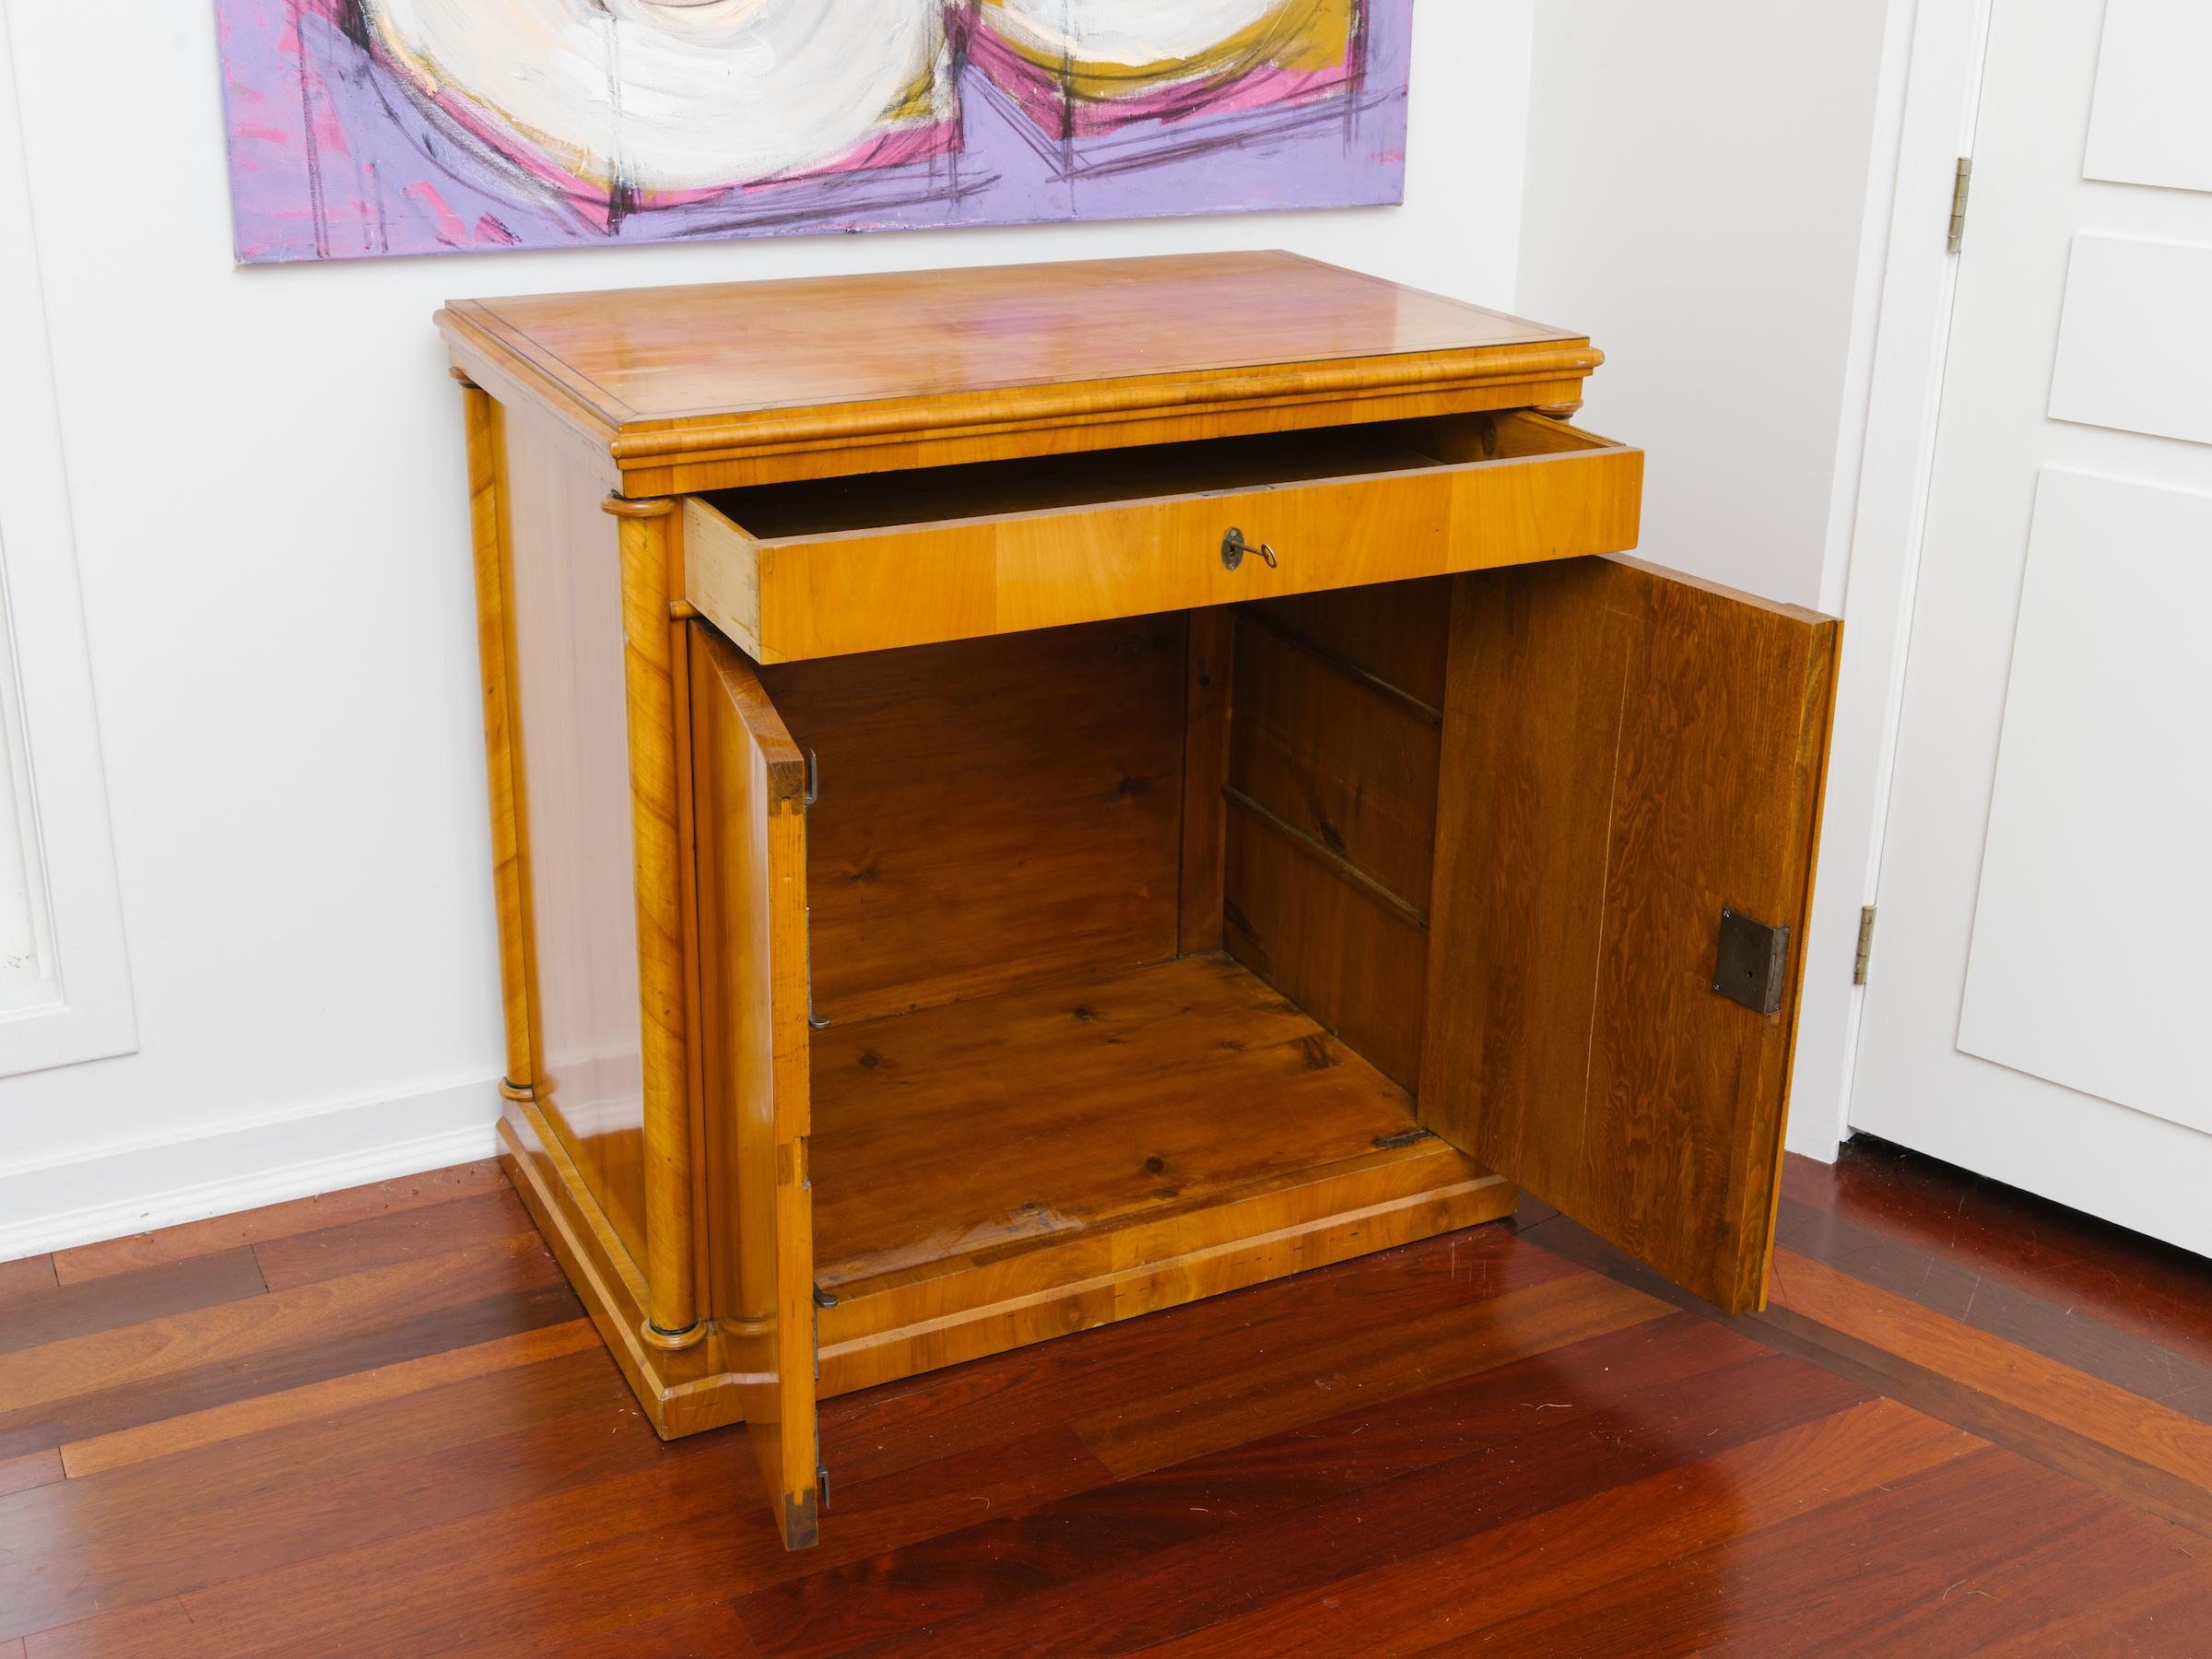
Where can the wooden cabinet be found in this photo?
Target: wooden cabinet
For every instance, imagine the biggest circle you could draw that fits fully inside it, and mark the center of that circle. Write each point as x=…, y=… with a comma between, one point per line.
x=1022, y=798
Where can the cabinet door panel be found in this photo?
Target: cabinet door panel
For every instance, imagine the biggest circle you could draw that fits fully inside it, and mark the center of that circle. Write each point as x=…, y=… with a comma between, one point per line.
x=749, y=790
x=1626, y=753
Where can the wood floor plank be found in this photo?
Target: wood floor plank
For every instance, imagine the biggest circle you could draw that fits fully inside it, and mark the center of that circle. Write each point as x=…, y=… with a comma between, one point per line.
x=1502, y=1441
x=709, y=1632
x=276, y=1221
x=1277, y=1391
x=1999, y=1601
x=130, y=1299
x=2156, y=1290
x=1839, y=1575
x=2147, y=1451
x=2001, y=1308
x=582, y=1562
x=1177, y=1590
x=161, y=1627
x=27, y=1276
x=401, y=1235
x=962, y=1585
x=32, y=1469
x=1558, y=1556
x=1210, y=1346
x=97, y=1384
x=325, y=1399
x=2173, y=1611
x=182, y=1524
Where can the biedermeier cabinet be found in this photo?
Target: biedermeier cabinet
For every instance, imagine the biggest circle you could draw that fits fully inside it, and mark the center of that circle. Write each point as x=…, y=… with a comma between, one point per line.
x=1025, y=796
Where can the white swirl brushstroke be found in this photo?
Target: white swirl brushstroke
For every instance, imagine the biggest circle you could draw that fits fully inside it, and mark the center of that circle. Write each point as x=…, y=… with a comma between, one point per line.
x=677, y=95
x=1126, y=33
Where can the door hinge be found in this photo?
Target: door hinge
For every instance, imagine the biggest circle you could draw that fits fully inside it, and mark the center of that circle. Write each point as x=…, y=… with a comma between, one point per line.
x=1858, y=969
x=1962, y=183
x=815, y=1021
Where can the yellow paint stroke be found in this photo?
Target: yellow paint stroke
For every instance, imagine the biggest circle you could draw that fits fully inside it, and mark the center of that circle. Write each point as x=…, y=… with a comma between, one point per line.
x=1300, y=36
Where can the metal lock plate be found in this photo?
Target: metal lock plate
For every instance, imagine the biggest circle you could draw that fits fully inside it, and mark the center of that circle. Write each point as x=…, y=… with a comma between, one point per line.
x=1751, y=962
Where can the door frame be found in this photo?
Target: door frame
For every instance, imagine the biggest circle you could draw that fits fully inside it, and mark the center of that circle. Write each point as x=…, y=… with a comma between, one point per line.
x=1926, y=109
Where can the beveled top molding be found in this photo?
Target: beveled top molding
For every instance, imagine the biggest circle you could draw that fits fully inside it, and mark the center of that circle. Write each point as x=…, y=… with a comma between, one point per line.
x=832, y=363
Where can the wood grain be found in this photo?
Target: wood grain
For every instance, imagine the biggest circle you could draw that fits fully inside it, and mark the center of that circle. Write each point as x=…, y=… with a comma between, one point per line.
x=320, y=1401
x=990, y=813
x=27, y=1276
x=974, y=1591
x=110, y=1379
x=2159, y=1293
x=975, y=1126
x=2001, y=1307
x=661, y=377
x=1555, y=1557
x=430, y=1229
x=1331, y=1462
x=2164, y=1457
x=962, y=566
x=1624, y=753
x=489, y=493
x=569, y=750
x=656, y=689
x=752, y=896
x=276, y=1221
x=1209, y=687
x=1355, y=961
x=32, y=1469
x=132, y=1298
x=1333, y=779
x=1337, y=755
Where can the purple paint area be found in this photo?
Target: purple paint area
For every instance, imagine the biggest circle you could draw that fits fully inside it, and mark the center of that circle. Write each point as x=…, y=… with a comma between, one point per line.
x=334, y=156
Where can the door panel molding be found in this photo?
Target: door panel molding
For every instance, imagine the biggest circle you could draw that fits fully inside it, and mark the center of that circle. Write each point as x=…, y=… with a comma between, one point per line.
x=79, y=1008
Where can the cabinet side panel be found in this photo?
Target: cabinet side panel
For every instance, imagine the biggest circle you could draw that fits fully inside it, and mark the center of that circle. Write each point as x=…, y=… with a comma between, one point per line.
x=571, y=758
x=992, y=812
x=1332, y=794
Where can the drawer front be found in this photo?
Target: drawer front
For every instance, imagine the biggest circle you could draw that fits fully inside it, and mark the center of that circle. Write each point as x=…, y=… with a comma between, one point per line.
x=791, y=597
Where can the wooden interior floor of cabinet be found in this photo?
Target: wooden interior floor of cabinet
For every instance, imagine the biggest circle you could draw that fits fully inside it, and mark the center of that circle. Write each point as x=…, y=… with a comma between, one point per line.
x=975, y=1129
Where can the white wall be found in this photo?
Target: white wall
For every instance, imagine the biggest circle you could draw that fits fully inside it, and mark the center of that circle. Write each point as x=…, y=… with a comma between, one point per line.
x=265, y=472
x=1708, y=194
x=1695, y=199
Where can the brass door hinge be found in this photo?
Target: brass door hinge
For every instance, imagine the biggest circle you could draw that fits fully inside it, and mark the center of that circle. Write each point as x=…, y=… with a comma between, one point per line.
x=1963, y=181
x=1858, y=971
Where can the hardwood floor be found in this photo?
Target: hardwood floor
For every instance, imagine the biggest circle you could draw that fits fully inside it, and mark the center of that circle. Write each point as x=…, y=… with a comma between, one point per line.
x=376, y=1423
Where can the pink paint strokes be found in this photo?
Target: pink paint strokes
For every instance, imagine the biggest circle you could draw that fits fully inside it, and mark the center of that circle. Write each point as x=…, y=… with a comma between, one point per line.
x=370, y=128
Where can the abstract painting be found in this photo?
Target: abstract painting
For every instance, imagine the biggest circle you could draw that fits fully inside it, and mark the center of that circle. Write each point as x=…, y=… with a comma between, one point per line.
x=366, y=127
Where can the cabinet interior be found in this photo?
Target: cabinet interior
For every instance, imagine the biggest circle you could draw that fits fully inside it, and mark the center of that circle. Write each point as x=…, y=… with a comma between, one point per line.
x=1114, y=921
x=879, y=500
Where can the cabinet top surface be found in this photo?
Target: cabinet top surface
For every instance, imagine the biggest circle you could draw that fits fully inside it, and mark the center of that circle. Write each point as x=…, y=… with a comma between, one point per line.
x=631, y=359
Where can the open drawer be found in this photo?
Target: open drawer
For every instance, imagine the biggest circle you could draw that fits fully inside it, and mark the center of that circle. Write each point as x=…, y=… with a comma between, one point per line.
x=824, y=566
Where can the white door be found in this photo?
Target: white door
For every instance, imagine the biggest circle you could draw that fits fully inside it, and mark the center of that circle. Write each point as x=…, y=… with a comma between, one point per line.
x=2039, y=1004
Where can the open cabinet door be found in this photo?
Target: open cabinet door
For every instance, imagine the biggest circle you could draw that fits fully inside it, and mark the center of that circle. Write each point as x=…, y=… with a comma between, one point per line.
x=749, y=793
x=1630, y=794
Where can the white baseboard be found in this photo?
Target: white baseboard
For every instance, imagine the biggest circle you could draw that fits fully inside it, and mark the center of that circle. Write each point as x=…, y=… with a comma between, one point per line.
x=159, y=1182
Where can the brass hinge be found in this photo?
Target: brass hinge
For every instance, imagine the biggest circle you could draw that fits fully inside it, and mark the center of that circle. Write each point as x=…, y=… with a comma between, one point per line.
x=1858, y=971
x=1962, y=183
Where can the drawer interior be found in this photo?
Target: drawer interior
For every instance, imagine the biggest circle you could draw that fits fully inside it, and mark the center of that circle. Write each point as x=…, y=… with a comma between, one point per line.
x=882, y=500
x=1035, y=1030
